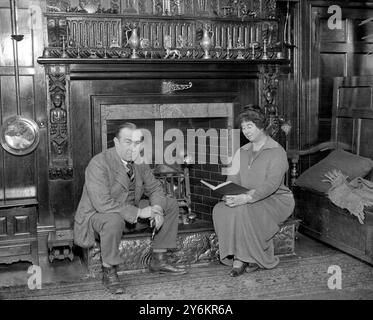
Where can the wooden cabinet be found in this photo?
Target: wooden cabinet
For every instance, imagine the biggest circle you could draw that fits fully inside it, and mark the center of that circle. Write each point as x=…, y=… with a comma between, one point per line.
x=18, y=233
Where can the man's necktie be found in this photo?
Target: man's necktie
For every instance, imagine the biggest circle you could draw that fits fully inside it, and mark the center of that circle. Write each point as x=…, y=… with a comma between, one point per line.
x=130, y=171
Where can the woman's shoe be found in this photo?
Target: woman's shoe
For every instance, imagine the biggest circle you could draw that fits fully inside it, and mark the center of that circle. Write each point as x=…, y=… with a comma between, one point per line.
x=235, y=272
x=251, y=267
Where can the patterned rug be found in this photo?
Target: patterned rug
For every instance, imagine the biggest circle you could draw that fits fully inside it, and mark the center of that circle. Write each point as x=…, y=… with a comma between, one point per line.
x=296, y=278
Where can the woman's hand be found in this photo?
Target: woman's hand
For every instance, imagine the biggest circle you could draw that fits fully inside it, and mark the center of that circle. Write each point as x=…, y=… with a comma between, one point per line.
x=238, y=200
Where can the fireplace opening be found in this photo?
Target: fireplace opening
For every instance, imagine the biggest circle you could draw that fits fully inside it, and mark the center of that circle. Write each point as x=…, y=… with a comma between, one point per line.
x=202, y=140
x=201, y=131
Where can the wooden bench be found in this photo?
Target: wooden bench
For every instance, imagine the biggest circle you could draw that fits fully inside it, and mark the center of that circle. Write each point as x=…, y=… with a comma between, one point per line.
x=197, y=242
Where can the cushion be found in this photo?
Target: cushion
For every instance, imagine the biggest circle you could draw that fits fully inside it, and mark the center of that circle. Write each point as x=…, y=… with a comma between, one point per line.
x=350, y=164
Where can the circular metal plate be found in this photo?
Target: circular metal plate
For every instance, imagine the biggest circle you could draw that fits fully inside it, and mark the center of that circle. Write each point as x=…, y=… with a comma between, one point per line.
x=19, y=135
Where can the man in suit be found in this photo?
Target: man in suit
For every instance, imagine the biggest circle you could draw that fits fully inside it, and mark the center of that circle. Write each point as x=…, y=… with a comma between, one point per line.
x=114, y=185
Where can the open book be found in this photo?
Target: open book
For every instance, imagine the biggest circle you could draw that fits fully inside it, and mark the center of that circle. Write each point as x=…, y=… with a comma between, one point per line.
x=226, y=188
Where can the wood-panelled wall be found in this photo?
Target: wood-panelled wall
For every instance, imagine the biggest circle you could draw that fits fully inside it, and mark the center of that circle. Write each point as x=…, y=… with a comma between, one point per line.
x=329, y=53
x=24, y=177
x=304, y=95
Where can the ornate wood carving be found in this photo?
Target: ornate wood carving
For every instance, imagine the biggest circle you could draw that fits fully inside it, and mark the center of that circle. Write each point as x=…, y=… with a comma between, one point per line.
x=269, y=83
x=240, y=29
x=59, y=138
x=208, y=8
x=64, y=173
x=170, y=86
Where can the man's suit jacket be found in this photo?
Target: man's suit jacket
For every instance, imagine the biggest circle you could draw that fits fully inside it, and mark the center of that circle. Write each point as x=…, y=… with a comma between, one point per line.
x=106, y=189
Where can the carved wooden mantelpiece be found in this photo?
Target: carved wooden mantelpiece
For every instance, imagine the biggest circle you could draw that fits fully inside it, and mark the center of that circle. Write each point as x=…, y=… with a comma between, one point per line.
x=144, y=29
x=169, y=8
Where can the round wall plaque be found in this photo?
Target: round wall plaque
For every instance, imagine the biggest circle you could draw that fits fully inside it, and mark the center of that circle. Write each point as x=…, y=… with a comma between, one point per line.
x=19, y=135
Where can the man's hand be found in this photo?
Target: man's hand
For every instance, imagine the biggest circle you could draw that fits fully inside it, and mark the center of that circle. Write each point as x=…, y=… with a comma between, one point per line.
x=157, y=215
x=145, y=213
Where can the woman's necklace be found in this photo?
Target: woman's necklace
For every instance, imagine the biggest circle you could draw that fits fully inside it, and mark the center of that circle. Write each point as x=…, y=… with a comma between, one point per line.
x=253, y=154
x=255, y=151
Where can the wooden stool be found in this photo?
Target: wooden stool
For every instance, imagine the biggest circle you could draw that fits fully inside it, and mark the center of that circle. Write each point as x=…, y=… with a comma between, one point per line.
x=60, y=245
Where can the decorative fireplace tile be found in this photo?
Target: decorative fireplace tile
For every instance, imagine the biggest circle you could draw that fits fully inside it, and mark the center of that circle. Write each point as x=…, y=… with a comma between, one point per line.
x=193, y=248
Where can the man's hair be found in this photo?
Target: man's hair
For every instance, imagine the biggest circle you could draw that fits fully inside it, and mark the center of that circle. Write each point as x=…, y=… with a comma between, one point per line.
x=128, y=125
x=254, y=114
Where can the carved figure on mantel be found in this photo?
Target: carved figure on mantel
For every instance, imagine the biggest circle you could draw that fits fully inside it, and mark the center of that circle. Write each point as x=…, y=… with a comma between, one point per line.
x=144, y=45
x=58, y=129
x=58, y=114
x=173, y=53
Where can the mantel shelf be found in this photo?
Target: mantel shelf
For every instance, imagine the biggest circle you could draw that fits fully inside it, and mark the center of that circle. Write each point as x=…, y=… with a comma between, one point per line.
x=81, y=69
x=150, y=17
x=99, y=61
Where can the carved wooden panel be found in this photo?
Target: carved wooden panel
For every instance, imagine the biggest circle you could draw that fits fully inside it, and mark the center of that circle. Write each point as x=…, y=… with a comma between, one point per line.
x=189, y=29
x=353, y=112
x=334, y=53
x=94, y=32
x=21, y=225
x=3, y=226
x=18, y=222
x=199, y=8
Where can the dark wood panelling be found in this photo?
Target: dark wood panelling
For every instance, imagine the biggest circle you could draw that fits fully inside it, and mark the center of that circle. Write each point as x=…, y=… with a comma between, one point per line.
x=332, y=64
x=21, y=225
x=362, y=64
x=335, y=35
x=3, y=226
x=346, y=130
x=26, y=176
x=366, y=137
x=329, y=53
x=19, y=241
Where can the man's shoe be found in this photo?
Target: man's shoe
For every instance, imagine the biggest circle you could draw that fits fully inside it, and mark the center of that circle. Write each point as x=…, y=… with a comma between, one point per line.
x=111, y=281
x=235, y=272
x=251, y=267
x=159, y=264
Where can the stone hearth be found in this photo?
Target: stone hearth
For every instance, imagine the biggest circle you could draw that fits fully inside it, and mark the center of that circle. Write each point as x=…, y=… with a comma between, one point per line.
x=196, y=244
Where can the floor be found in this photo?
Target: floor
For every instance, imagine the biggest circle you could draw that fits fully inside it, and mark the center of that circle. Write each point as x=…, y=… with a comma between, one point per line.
x=65, y=271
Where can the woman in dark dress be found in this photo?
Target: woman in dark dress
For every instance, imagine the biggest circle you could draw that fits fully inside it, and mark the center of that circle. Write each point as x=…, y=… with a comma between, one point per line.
x=245, y=224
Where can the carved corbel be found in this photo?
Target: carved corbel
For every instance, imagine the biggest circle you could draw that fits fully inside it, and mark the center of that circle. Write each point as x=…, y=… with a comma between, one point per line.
x=269, y=86
x=58, y=115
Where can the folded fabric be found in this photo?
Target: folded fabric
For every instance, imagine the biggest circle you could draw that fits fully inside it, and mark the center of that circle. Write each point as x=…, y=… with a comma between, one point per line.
x=350, y=164
x=353, y=196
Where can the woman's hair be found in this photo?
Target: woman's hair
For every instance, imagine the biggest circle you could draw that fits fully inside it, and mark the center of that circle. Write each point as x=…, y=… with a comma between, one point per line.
x=254, y=114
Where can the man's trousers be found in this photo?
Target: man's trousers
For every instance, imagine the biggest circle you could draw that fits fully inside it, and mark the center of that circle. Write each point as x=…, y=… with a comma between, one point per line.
x=110, y=228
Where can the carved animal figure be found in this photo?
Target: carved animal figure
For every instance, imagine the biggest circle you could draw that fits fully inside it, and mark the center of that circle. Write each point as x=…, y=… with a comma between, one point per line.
x=173, y=53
